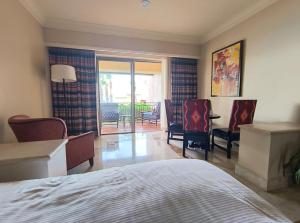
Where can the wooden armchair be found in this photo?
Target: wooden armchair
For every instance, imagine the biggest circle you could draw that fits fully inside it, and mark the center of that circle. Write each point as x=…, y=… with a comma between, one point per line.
x=78, y=149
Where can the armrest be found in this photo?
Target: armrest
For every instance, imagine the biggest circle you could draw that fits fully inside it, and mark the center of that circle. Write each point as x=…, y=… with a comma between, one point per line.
x=80, y=149
x=147, y=113
x=84, y=136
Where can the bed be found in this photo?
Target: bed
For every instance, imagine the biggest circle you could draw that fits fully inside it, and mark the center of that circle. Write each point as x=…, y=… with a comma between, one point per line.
x=161, y=191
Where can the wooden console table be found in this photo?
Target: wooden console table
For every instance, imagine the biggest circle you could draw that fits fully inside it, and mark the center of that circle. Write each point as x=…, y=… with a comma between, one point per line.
x=264, y=148
x=31, y=160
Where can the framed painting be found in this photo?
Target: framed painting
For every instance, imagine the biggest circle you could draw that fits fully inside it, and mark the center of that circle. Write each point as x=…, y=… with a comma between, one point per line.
x=227, y=71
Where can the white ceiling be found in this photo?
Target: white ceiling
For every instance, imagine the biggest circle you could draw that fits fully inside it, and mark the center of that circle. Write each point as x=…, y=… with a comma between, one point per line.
x=185, y=21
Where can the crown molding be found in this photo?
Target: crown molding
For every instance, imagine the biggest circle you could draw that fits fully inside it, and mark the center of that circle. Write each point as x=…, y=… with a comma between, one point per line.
x=143, y=34
x=34, y=10
x=244, y=15
x=118, y=31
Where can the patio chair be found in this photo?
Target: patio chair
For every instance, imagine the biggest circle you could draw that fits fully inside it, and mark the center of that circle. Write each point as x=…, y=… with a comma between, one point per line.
x=110, y=113
x=152, y=116
x=242, y=113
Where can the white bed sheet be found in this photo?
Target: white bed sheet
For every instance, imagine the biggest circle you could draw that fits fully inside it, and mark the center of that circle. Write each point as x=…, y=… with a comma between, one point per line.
x=161, y=191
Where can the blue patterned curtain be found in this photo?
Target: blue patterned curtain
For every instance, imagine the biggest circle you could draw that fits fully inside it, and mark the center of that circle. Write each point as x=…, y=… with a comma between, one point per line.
x=183, y=83
x=81, y=114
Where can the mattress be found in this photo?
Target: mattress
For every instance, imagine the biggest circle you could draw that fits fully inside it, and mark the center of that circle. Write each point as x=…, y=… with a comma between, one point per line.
x=161, y=191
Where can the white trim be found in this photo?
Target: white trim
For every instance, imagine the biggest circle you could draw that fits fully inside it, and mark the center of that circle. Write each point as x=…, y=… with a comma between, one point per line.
x=262, y=4
x=34, y=10
x=111, y=50
x=136, y=56
x=143, y=34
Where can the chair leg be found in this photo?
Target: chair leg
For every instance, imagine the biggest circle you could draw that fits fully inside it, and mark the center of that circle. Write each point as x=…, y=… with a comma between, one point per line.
x=206, y=154
x=229, y=146
x=168, y=140
x=207, y=147
x=91, y=160
x=212, y=146
x=183, y=146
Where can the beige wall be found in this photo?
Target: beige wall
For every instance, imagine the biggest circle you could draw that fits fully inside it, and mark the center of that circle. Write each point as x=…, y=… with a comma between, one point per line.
x=271, y=63
x=101, y=41
x=24, y=83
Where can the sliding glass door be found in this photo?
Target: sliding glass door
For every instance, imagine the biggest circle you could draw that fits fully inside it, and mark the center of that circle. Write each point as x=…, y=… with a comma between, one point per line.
x=130, y=95
x=148, y=91
x=116, y=95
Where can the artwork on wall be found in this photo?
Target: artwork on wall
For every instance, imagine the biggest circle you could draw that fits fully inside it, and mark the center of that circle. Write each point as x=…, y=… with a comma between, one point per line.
x=227, y=71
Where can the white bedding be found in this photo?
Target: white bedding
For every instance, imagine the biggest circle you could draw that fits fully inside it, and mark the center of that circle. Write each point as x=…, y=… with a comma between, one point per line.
x=162, y=191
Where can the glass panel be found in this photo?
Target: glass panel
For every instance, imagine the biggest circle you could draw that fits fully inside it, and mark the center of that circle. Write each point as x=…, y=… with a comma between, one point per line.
x=148, y=91
x=115, y=96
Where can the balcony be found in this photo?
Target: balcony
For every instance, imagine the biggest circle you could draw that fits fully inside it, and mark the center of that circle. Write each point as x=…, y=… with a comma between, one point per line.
x=116, y=117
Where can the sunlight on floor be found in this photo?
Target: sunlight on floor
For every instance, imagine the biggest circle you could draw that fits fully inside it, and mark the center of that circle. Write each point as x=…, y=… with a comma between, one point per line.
x=125, y=128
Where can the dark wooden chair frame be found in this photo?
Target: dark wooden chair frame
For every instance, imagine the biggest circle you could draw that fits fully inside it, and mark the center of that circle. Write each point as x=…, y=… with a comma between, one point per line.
x=232, y=133
x=202, y=138
x=172, y=133
x=229, y=137
x=174, y=129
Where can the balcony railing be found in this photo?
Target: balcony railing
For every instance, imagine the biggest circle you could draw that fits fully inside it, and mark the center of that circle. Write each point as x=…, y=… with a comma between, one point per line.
x=124, y=108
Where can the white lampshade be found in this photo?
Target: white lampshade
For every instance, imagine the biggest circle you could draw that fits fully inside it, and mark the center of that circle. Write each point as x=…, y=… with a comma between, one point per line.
x=60, y=72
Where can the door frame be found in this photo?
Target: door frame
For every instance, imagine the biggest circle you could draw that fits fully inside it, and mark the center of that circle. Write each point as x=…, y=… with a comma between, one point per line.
x=132, y=75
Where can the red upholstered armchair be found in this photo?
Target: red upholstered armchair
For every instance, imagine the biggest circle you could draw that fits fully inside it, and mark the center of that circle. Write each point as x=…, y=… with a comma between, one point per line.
x=78, y=149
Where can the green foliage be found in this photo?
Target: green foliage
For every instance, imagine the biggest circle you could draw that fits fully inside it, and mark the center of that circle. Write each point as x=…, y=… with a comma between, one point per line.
x=142, y=107
x=297, y=176
x=294, y=163
x=103, y=82
x=138, y=107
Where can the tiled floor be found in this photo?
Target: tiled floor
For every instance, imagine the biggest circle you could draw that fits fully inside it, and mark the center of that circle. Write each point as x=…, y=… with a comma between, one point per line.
x=123, y=149
x=146, y=127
